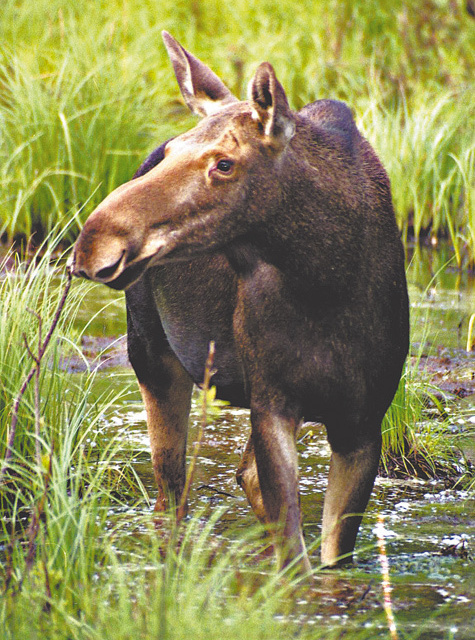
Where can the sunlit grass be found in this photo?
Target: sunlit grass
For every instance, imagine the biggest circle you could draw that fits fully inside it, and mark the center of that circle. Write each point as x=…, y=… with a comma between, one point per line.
x=428, y=151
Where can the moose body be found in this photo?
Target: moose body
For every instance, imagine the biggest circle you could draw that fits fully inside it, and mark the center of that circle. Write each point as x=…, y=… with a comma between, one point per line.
x=271, y=233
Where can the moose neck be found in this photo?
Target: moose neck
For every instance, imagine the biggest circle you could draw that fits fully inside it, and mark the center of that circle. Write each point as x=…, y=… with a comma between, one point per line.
x=283, y=236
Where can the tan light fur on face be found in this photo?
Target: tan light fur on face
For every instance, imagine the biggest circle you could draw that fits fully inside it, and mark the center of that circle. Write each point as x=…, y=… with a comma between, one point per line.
x=154, y=217
x=141, y=222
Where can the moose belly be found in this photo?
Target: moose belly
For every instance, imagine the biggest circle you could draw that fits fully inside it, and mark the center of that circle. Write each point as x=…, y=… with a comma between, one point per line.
x=196, y=302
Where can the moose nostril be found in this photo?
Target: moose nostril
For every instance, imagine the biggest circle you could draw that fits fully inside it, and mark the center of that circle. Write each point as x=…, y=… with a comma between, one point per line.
x=83, y=274
x=108, y=272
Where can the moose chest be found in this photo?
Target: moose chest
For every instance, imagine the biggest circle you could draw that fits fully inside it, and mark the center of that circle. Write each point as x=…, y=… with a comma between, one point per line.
x=250, y=317
x=195, y=301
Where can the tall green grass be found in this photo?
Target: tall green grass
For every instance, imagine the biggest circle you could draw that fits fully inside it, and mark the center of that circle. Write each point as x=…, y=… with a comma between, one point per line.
x=54, y=461
x=422, y=428
x=29, y=296
x=429, y=152
x=80, y=555
x=86, y=92
x=415, y=445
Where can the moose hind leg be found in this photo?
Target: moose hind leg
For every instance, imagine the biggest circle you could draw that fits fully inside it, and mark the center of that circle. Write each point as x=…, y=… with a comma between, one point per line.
x=247, y=477
x=350, y=482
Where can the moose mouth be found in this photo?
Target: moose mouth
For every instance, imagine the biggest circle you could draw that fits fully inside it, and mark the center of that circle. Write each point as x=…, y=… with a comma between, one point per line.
x=120, y=274
x=129, y=275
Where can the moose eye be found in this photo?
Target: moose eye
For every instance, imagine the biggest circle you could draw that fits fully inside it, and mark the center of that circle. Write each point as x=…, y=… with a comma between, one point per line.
x=225, y=166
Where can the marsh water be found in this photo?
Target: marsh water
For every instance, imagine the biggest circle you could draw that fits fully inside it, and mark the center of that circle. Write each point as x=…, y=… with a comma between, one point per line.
x=428, y=524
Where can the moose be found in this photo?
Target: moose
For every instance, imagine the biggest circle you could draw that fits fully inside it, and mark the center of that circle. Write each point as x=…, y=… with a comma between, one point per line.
x=271, y=233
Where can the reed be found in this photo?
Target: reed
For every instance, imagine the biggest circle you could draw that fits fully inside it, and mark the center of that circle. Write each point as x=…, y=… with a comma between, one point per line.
x=428, y=151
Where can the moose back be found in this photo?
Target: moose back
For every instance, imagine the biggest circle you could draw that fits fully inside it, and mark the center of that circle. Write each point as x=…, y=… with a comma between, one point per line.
x=272, y=233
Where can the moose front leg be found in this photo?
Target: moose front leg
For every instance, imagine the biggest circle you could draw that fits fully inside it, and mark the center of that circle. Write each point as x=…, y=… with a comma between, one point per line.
x=166, y=391
x=350, y=482
x=168, y=411
x=273, y=445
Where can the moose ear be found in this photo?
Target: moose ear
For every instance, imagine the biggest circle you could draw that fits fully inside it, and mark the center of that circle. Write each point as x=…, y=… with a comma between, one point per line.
x=202, y=90
x=270, y=105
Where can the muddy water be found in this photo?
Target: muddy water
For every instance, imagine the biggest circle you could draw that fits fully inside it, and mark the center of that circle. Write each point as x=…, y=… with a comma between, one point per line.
x=428, y=528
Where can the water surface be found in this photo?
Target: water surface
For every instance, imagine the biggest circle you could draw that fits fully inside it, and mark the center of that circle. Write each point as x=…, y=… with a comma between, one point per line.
x=429, y=527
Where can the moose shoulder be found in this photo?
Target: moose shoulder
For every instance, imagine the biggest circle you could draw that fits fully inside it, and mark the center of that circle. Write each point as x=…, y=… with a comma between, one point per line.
x=271, y=233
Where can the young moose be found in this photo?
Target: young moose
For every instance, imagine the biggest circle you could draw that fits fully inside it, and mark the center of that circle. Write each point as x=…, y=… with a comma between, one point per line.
x=271, y=233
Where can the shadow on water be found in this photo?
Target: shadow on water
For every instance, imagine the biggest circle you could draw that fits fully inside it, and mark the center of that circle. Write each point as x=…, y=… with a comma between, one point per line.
x=429, y=528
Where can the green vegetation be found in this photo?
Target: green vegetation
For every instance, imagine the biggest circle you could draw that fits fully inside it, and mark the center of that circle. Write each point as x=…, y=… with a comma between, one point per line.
x=420, y=433
x=67, y=570
x=417, y=439
x=86, y=91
